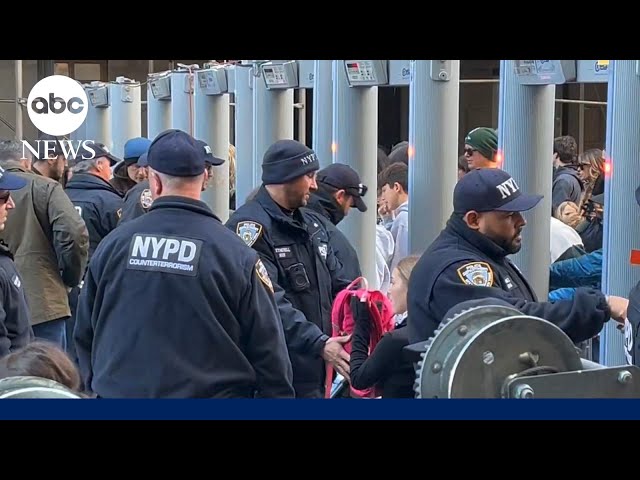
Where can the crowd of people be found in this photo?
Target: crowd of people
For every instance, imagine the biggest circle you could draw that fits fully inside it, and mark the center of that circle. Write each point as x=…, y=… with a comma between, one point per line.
x=121, y=282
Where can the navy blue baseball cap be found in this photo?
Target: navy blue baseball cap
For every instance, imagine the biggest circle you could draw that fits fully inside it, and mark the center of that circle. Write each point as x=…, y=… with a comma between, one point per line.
x=99, y=150
x=343, y=177
x=491, y=189
x=176, y=153
x=210, y=159
x=10, y=181
x=134, y=148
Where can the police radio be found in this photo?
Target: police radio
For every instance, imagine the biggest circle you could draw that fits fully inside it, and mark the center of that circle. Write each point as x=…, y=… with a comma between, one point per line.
x=298, y=278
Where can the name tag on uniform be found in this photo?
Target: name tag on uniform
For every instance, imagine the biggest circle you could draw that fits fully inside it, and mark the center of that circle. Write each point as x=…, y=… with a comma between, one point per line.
x=160, y=253
x=283, y=252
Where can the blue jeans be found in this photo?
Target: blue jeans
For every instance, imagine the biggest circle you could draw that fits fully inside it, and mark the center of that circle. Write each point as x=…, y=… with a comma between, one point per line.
x=53, y=331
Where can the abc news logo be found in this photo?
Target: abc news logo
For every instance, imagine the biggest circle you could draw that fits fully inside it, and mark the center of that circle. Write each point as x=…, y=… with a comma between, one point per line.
x=57, y=105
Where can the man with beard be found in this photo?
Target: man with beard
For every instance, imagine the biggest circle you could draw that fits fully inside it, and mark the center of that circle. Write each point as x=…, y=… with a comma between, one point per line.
x=469, y=261
x=294, y=247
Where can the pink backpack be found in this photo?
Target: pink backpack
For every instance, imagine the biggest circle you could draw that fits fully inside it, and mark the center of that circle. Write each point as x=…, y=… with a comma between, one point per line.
x=343, y=324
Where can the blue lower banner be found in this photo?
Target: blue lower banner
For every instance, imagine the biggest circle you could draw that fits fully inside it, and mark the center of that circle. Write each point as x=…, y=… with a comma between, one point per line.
x=320, y=409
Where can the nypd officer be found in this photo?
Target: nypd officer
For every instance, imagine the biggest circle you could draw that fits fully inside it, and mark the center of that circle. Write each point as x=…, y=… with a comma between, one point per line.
x=468, y=261
x=632, y=325
x=15, y=317
x=176, y=305
x=97, y=202
x=99, y=205
x=138, y=200
x=294, y=246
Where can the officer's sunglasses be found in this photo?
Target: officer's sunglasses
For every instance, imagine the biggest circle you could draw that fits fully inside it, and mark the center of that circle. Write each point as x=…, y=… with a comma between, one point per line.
x=359, y=190
x=4, y=196
x=469, y=151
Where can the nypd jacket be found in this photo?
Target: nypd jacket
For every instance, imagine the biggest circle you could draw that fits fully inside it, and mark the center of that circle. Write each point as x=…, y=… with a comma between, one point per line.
x=328, y=212
x=632, y=327
x=97, y=202
x=15, y=321
x=176, y=305
x=136, y=201
x=462, y=264
x=295, y=250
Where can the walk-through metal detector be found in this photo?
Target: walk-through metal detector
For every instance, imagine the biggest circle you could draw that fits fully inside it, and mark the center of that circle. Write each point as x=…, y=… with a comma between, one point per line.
x=98, y=122
x=321, y=81
x=621, y=211
x=243, y=80
x=355, y=143
x=182, y=104
x=272, y=107
x=158, y=103
x=126, y=113
x=434, y=98
x=525, y=143
x=212, y=126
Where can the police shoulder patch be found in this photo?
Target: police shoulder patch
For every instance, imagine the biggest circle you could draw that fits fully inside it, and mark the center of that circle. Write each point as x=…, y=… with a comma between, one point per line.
x=249, y=231
x=145, y=198
x=477, y=274
x=263, y=275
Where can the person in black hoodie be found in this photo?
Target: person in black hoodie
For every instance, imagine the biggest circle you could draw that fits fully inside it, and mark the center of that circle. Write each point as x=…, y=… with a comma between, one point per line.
x=339, y=189
x=98, y=203
x=567, y=184
x=386, y=368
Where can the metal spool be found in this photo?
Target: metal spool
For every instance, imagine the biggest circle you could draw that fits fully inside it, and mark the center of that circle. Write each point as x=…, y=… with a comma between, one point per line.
x=475, y=353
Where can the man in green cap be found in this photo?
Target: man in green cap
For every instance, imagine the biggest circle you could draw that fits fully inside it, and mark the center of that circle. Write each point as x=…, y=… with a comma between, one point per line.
x=480, y=148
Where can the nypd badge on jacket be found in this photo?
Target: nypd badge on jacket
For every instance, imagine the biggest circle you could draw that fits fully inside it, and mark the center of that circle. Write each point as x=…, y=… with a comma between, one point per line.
x=176, y=305
x=462, y=264
x=307, y=275
x=137, y=201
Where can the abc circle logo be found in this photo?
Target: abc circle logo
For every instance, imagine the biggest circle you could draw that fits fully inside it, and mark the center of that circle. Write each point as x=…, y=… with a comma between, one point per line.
x=57, y=105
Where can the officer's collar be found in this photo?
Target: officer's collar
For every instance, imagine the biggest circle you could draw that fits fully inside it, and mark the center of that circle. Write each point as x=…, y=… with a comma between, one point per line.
x=175, y=201
x=323, y=202
x=475, y=238
x=276, y=212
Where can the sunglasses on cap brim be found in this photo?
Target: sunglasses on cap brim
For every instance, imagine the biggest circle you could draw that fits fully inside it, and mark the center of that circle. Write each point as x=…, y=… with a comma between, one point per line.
x=359, y=190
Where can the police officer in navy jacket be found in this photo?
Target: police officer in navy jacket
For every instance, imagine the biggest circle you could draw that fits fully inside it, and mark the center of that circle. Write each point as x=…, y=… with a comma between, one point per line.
x=15, y=317
x=176, y=305
x=99, y=205
x=294, y=246
x=97, y=202
x=469, y=260
x=632, y=325
x=138, y=200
